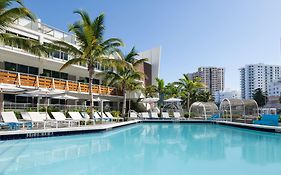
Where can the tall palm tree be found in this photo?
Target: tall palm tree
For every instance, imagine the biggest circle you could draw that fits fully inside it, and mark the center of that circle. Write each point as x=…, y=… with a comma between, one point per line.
x=188, y=87
x=92, y=48
x=172, y=90
x=124, y=79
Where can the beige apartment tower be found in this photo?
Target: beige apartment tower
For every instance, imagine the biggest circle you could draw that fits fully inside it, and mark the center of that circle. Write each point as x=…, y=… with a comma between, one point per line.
x=212, y=77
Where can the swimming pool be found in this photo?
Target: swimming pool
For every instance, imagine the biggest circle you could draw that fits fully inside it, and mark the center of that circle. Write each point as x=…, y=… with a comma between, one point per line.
x=147, y=149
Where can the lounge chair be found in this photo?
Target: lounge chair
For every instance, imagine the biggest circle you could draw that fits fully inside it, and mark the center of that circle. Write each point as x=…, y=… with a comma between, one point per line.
x=11, y=120
x=133, y=115
x=76, y=116
x=214, y=117
x=178, y=116
x=60, y=117
x=25, y=116
x=154, y=115
x=268, y=119
x=145, y=115
x=102, y=116
x=85, y=115
x=37, y=118
x=109, y=115
x=165, y=115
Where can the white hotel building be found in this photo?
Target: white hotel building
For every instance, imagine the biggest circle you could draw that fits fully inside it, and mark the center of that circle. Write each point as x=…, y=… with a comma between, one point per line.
x=254, y=76
x=30, y=72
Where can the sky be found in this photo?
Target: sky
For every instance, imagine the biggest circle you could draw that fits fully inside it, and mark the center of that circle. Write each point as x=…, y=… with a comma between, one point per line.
x=192, y=33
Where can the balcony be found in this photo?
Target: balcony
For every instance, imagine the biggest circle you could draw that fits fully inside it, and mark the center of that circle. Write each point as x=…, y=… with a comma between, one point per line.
x=33, y=81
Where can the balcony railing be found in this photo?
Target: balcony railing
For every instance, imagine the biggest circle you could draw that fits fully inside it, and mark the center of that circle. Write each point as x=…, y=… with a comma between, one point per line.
x=21, y=79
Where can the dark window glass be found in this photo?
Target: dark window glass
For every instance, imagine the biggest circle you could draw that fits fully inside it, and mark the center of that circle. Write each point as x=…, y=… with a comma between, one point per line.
x=33, y=70
x=10, y=66
x=55, y=74
x=47, y=73
x=64, y=76
x=56, y=54
x=9, y=97
x=22, y=68
x=65, y=56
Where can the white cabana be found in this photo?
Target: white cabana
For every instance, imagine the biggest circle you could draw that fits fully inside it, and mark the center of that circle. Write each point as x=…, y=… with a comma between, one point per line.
x=202, y=110
x=173, y=100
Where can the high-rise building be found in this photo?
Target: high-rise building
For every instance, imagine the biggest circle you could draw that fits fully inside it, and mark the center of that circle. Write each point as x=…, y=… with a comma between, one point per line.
x=254, y=76
x=212, y=77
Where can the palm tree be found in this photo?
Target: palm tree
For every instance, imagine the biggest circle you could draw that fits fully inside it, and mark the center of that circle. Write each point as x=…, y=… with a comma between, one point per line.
x=124, y=79
x=150, y=91
x=188, y=87
x=172, y=90
x=92, y=48
x=10, y=11
x=204, y=96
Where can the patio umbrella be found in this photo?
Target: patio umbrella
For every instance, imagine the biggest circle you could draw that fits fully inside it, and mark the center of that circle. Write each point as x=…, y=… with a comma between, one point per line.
x=150, y=100
x=43, y=92
x=7, y=89
x=65, y=97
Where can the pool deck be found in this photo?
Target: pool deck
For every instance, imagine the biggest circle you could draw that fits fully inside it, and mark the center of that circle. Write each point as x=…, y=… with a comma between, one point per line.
x=47, y=132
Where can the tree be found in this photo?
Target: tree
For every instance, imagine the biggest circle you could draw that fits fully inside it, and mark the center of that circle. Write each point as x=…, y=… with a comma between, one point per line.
x=10, y=11
x=92, y=48
x=204, y=96
x=126, y=77
x=260, y=97
x=172, y=90
x=150, y=91
x=188, y=88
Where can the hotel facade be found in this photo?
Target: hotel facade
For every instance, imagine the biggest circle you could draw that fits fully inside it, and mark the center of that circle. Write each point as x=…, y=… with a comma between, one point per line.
x=29, y=72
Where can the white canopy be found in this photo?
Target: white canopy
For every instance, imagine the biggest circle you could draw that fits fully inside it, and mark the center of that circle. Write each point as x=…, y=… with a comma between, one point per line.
x=173, y=100
x=65, y=97
x=150, y=100
x=7, y=88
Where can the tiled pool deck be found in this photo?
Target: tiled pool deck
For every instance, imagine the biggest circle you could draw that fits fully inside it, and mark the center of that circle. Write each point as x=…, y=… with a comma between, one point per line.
x=48, y=132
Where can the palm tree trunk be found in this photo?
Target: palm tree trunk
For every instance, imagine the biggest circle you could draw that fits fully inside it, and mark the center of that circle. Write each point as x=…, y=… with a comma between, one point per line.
x=91, y=71
x=124, y=104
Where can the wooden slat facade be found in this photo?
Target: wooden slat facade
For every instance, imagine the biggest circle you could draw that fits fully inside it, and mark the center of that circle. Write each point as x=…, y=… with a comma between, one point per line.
x=21, y=79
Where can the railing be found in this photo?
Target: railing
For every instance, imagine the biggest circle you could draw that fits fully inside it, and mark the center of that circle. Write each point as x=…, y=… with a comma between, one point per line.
x=21, y=79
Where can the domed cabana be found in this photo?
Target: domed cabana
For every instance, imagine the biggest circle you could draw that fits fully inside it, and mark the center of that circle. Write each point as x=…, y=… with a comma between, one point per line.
x=202, y=110
x=238, y=109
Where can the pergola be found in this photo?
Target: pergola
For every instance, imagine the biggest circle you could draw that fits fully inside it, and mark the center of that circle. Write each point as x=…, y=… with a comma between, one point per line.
x=238, y=108
x=202, y=110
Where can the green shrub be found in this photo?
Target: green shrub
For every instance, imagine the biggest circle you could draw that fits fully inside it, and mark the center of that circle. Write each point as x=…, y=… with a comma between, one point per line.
x=116, y=113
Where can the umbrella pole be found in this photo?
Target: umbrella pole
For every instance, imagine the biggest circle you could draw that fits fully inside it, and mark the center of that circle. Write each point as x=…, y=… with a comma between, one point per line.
x=1, y=102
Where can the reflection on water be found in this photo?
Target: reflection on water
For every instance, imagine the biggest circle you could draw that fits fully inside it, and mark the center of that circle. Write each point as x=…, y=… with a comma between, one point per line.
x=149, y=149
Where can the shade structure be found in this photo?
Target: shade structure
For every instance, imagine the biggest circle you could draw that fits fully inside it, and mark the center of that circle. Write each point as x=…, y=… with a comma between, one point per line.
x=202, y=110
x=172, y=100
x=238, y=109
x=150, y=100
x=65, y=97
x=7, y=88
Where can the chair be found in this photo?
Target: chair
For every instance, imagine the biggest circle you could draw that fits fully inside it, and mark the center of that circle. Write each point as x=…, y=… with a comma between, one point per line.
x=25, y=116
x=268, y=119
x=60, y=117
x=177, y=115
x=165, y=115
x=11, y=120
x=145, y=115
x=37, y=118
x=133, y=115
x=154, y=115
x=214, y=117
x=102, y=116
x=109, y=115
x=76, y=116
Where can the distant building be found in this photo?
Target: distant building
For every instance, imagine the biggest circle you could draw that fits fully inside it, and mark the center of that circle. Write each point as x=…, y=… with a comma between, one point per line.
x=254, y=76
x=230, y=94
x=212, y=77
x=274, y=88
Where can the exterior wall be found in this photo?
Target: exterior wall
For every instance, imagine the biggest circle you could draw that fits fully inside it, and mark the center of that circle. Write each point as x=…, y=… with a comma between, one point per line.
x=274, y=88
x=153, y=56
x=230, y=94
x=256, y=76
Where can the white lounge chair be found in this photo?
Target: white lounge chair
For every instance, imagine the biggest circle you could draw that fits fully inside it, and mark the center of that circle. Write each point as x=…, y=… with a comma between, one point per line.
x=145, y=115
x=60, y=117
x=11, y=119
x=109, y=115
x=102, y=116
x=178, y=116
x=25, y=116
x=37, y=118
x=76, y=116
x=133, y=115
x=154, y=115
x=165, y=115
x=85, y=115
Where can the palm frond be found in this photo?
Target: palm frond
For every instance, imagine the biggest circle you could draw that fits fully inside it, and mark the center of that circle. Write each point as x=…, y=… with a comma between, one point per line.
x=72, y=61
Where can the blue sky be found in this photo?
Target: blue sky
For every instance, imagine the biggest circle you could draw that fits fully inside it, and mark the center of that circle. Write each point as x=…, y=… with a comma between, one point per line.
x=192, y=33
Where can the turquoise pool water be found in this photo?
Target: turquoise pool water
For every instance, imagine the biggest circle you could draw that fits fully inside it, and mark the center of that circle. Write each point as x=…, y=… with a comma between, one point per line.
x=147, y=149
